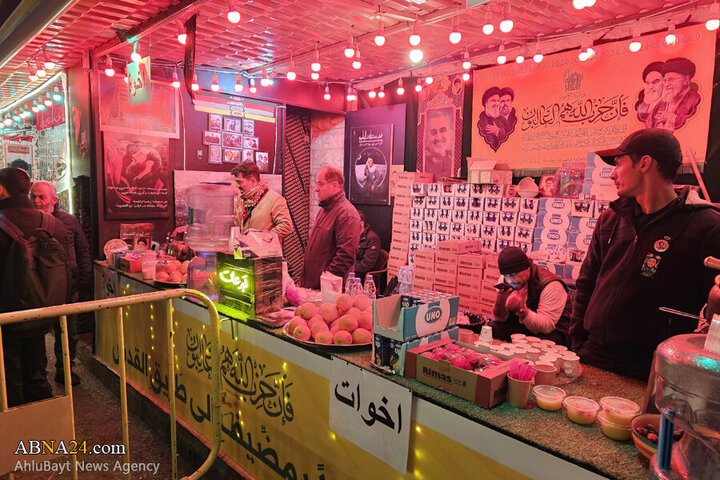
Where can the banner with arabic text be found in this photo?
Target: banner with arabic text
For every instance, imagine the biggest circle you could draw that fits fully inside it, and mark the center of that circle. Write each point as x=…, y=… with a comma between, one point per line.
x=539, y=115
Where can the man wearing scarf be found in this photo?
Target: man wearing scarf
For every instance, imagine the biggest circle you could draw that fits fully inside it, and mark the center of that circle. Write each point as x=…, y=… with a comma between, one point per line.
x=257, y=207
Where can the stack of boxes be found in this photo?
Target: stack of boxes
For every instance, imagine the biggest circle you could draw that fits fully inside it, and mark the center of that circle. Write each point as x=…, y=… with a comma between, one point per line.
x=597, y=181
x=403, y=218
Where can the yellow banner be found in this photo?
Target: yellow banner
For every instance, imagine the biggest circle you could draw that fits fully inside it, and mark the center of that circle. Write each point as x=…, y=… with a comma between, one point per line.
x=275, y=413
x=539, y=115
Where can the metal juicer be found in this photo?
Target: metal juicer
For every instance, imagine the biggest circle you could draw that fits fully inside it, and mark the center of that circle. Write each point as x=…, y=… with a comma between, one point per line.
x=688, y=387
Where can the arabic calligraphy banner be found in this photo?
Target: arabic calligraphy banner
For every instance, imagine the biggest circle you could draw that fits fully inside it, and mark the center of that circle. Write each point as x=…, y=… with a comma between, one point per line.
x=537, y=116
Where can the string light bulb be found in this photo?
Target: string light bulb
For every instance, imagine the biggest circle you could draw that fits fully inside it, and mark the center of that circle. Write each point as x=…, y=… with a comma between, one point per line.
x=47, y=102
x=671, y=38
x=635, y=45
x=466, y=64
x=356, y=64
x=195, y=86
x=181, y=36
x=135, y=56
x=48, y=64
x=519, y=58
x=415, y=37
x=253, y=88
x=315, y=76
x=233, y=15
x=506, y=25
x=31, y=73
x=455, y=35
x=315, y=66
x=291, y=75
x=372, y=93
x=429, y=80
x=488, y=28
x=56, y=95
x=400, y=89
x=215, y=86
x=349, y=95
x=416, y=55
x=238, y=83
x=713, y=21
x=380, y=35
x=418, y=86
x=109, y=70
x=35, y=108
x=349, y=48
x=39, y=71
x=175, y=81
x=381, y=93
x=578, y=4
x=501, y=58
x=466, y=76
x=264, y=81
x=326, y=95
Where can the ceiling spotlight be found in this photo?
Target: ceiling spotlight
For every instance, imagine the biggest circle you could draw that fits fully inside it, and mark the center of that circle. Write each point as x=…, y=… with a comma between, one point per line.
x=233, y=15
x=488, y=28
x=429, y=80
x=356, y=64
x=175, y=81
x=195, y=86
x=400, y=89
x=465, y=76
x=416, y=55
x=415, y=37
x=635, y=45
x=315, y=76
x=418, y=86
x=109, y=70
x=380, y=35
x=501, y=58
x=455, y=36
x=713, y=21
x=315, y=66
x=671, y=38
x=253, y=88
x=238, y=83
x=291, y=75
x=350, y=48
x=466, y=64
x=181, y=36
x=215, y=86
x=349, y=96
x=381, y=93
x=372, y=94
x=506, y=24
x=583, y=54
x=578, y=4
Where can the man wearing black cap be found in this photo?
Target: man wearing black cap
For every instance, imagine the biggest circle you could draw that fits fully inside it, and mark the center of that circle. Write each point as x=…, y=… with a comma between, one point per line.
x=647, y=252
x=531, y=300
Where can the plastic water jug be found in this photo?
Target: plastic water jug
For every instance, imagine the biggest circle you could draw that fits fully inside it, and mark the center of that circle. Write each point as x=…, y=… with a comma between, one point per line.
x=210, y=216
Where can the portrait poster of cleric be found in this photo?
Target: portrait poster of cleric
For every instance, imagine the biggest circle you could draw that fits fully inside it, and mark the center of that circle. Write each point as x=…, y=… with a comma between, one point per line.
x=370, y=159
x=440, y=127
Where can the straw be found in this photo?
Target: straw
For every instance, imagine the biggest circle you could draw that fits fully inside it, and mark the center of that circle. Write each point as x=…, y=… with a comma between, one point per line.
x=522, y=373
x=664, y=452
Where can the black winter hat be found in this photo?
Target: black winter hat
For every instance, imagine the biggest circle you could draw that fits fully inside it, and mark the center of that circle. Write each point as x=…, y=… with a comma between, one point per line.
x=513, y=260
x=16, y=181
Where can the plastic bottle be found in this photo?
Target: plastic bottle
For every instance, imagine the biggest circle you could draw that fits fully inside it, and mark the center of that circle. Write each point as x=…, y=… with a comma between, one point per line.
x=202, y=274
x=358, y=289
x=370, y=287
x=350, y=283
x=210, y=216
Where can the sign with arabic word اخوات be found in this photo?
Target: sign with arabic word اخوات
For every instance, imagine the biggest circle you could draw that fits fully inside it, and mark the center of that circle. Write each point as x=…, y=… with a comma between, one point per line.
x=371, y=412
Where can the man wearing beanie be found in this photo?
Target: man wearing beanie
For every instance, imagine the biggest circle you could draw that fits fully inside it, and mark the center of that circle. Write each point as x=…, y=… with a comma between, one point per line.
x=24, y=349
x=646, y=252
x=531, y=300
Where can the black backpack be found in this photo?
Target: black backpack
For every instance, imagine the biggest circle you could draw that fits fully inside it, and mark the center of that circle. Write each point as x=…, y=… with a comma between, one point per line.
x=36, y=273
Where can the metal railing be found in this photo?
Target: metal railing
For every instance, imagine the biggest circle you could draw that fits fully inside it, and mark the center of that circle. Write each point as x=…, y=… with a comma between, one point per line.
x=118, y=303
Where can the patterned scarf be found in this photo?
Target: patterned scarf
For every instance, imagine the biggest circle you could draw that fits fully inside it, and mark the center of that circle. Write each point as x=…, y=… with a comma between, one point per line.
x=246, y=202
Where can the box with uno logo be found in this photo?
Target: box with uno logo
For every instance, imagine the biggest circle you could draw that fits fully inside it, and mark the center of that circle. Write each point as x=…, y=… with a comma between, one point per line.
x=550, y=236
x=580, y=241
x=391, y=320
x=583, y=225
x=561, y=206
x=487, y=388
x=552, y=220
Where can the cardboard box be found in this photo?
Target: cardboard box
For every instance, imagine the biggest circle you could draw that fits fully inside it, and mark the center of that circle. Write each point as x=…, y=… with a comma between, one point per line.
x=429, y=214
x=506, y=233
x=442, y=237
x=422, y=284
x=447, y=258
x=429, y=238
x=446, y=269
x=447, y=202
x=442, y=227
x=472, y=231
x=391, y=353
x=420, y=189
x=459, y=216
x=417, y=213
x=524, y=246
x=550, y=236
x=418, y=202
x=487, y=388
x=475, y=217
x=487, y=245
x=508, y=219
x=449, y=289
x=404, y=324
x=510, y=204
x=426, y=255
x=434, y=189
x=583, y=208
x=523, y=235
x=493, y=191
x=458, y=246
x=432, y=202
x=461, y=203
x=502, y=244
x=529, y=205
x=583, y=225
x=489, y=232
x=527, y=219
x=475, y=190
x=488, y=171
x=429, y=226
x=444, y=215
x=492, y=204
x=423, y=268
x=562, y=206
x=476, y=204
x=469, y=295
x=471, y=261
x=416, y=237
x=457, y=229
x=132, y=265
x=415, y=225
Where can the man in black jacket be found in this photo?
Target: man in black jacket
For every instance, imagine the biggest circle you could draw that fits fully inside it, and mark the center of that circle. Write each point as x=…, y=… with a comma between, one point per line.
x=44, y=197
x=647, y=251
x=24, y=351
x=368, y=254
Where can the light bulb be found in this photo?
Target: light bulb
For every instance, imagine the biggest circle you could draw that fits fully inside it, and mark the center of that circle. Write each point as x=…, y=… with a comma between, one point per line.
x=380, y=35
x=488, y=27
x=506, y=24
x=109, y=70
x=429, y=80
x=671, y=38
x=356, y=64
x=175, y=81
x=39, y=71
x=48, y=64
x=253, y=88
x=538, y=57
x=326, y=96
x=501, y=59
x=372, y=94
x=182, y=38
x=519, y=59
x=466, y=65
x=31, y=73
x=47, y=102
x=400, y=89
x=291, y=75
x=418, y=86
x=215, y=86
x=315, y=66
x=135, y=57
x=233, y=15
x=195, y=86
x=578, y=4
x=35, y=109
x=349, y=96
x=315, y=75
x=349, y=49
x=583, y=55
x=56, y=95
x=455, y=36
x=264, y=81
x=238, y=83
x=381, y=93
x=591, y=53
x=635, y=45
x=415, y=37
x=713, y=21
x=416, y=55
x=465, y=76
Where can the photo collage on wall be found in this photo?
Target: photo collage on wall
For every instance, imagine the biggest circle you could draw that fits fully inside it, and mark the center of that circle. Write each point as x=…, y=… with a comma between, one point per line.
x=233, y=140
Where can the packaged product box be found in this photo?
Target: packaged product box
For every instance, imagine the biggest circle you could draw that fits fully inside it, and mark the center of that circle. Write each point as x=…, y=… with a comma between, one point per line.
x=469, y=306
x=476, y=204
x=132, y=265
x=425, y=255
x=391, y=353
x=471, y=261
x=445, y=288
x=459, y=216
x=510, y=204
x=447, y=203
x=469, y=295
x=549, y=253
x=579, y=241
x=492, y=204
x=417, y=213
x=487, y=245
x=412, y=248
x=502, y=244
x=458, y=246
x=491, y=218
x=583, y=225
x=422, y=284
x=506, y=233
x=400, y=232
x=429, y=226
x=475, y=217
x=442, y=227
x=414, y=177
x=523, y=234
x=561, y=206
x=444, y=215
x=446, y=257
x=422, y=268
x=432, y=203
x=442, y=237
x=434, y=189
x=461, y=203
x=487, y=388
x=527, y=219
x=447, y=269
x=391, y=320
x=552, y=220
x=575, y=256
x=491, y=261
x=458, y=238
x=457, y=230
x=415, y=225
x=601, y=206
x=473, y=275
x=583, y=208
x=418, y=202
x=491, y=275
x=429, y=238
x=572, y=272
x=489, y=232
x=529, y=205
x=423, y=276
x=485, y=307
x=461, y=190
x=524, y=246
x=416, y=237
x=447, y=189
x=550, y=236
x=401, y=203
x=420, y=189
x=475, y=190
x=472, y=231
x=401, y=221
x=429, y=214
x=483, y=171
x=508, y=219
x=494, y=191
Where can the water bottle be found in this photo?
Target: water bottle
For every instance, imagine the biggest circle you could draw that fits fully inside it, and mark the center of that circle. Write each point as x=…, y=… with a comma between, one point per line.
x=370, y=287
x=202, y=274
x=357, y=288
x=350, y=284
x=405, y=276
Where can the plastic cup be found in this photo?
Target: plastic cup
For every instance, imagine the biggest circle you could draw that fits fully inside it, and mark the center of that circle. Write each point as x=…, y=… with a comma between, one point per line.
x=619, y=432
x=518, y=392
x=486, y=333
x=581, y=410
x=619, y=411
x=545, y=374
x=515, y=337
x=548, y=397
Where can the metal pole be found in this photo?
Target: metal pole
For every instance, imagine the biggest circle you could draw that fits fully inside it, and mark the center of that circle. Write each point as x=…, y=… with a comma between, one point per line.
x=123, y=389
x=171, y=386
x=68, y=386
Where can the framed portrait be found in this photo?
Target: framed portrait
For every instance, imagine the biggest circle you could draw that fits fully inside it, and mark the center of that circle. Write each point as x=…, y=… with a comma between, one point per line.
x=371, y=149
x=215, y=122
x=547, y=185
x=215, y=154
x=248, y=156
x=248, y=127
x=439, y=148
x=261, y=160
x=233, y=125
x=211, y=138
x=232, y=140
x=231, y=155
x=251, y=142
